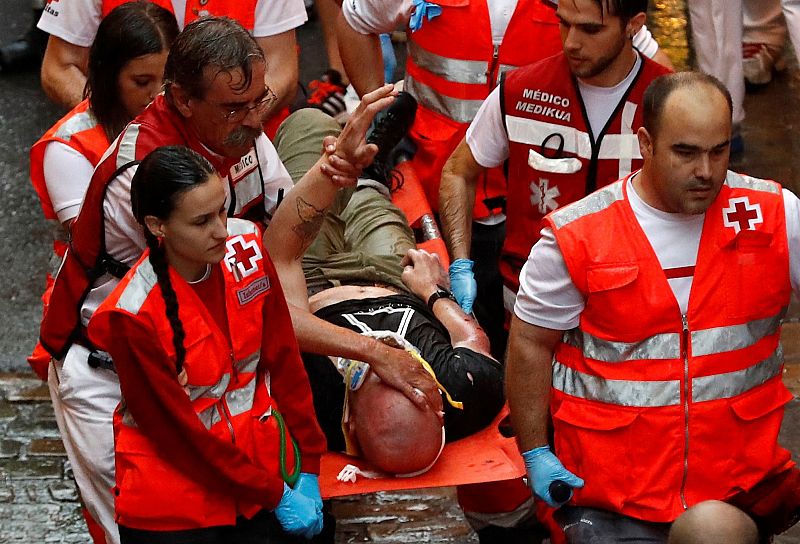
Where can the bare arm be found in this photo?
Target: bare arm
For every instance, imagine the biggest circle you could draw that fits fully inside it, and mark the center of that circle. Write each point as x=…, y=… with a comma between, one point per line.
x=457, y=198
x=663, y=59
x=529, y=373
x=422, y=274
x=295, y=225
x=64, y=71
x=283, y=71
x=361, y=56
x=299, y=217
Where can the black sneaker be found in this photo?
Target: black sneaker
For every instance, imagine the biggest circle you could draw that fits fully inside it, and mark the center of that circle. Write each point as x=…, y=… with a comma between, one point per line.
x=386, y=133
x=26, y=53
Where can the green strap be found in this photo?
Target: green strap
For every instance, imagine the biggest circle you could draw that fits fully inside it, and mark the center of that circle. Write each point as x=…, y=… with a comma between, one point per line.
x=290, y=479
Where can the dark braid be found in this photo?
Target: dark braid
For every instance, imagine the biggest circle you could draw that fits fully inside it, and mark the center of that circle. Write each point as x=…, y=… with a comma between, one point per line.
x=161, y=178
x=159, y=262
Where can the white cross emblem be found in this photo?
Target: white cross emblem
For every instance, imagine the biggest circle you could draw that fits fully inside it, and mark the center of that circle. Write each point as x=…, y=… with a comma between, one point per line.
x=543, y=196
x=741, y=215
x=242, y=256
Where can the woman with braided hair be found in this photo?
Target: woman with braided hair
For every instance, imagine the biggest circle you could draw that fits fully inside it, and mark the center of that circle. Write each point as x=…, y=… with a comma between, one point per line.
x=215, y=439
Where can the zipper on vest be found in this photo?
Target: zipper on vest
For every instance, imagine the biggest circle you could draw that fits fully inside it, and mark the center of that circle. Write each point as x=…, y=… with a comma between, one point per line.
x=685, y=356
x=222, y=406
x=223, y=410
x=490, y=80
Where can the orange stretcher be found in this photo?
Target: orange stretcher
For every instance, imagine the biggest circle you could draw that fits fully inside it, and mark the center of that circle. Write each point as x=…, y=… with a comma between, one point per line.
x=411, y=199
x=486, y=456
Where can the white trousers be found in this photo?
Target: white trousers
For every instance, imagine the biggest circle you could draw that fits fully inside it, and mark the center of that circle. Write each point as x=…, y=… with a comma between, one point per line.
x=84, y=399
x=717, y=36
x=766, y=21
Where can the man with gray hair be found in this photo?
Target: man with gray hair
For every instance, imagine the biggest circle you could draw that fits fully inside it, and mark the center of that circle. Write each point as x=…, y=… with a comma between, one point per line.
x=214, y=103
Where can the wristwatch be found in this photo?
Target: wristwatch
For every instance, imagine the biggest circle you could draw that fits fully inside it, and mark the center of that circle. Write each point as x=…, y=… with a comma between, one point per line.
x=441, y=292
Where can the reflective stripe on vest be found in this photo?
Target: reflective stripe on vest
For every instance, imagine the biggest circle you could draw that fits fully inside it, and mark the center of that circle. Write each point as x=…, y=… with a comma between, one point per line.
x=644, y=394
x=238, y=401
x=596, y=202
x=740, y=181
x=246, y=365
x=214, y=391
x=502, y=69
x=471, y=72
x=137, y=290
x=658, y=346
x=731, y=384
x=461, y=111
x=77, y=123
x=127, y=146
x=241, y=400
x=210, y=416
x=533, y=132
x=723, y=339
x=668, y=345
x=248, y=189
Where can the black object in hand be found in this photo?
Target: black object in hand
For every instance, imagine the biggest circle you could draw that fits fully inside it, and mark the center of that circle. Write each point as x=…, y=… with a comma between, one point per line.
x=560, y=491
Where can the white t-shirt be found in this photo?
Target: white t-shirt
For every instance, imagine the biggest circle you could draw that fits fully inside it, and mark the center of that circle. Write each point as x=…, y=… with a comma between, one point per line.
x=486, y=135
x=381, y=16
x=76, y=21
x=548, y=298
x=124, y=237
x=67, y=173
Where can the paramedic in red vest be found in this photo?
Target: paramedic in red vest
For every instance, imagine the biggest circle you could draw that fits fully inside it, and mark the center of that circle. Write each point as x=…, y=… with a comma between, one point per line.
x=72, y=25
x=450, y=77
x=210, y=373
x=125, y=72
x=647, y=326
x=562, y=127
x=218, y=112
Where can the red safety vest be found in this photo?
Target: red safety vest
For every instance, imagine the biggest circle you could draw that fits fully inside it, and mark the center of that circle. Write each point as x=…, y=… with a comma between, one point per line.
x=241, y=10
x=227, y=384
x=553, y=158
x=79, y=130
x=451, y=76
x=87, y=260
x=658, y=411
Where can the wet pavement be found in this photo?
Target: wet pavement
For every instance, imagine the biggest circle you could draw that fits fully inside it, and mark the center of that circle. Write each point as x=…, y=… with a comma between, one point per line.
x=38, y=502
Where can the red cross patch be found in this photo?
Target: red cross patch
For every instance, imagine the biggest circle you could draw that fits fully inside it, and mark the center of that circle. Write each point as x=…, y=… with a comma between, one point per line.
x=242, y=256
x=741, y=215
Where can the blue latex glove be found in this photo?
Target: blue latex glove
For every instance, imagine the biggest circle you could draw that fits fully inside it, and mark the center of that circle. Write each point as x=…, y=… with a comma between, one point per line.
x=389, y=58
x=298, y=514
x=543, y=469
x=423, y=10
x=308, y=485
x=463, y=284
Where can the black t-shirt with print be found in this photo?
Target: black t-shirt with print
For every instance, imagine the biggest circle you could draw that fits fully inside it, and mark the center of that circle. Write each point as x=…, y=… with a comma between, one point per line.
x=469, y=377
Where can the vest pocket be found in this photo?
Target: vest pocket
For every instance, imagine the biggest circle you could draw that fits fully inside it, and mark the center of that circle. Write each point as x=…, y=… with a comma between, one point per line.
x=755, y=422
x=566, y=165
x=748, y=295
x=597, y=443
x=608, y=277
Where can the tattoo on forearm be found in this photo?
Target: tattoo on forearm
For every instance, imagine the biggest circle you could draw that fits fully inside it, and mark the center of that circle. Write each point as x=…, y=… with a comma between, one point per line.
x=310, y=222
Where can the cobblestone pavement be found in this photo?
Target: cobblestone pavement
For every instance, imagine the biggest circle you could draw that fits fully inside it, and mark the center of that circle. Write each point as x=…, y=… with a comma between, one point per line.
x=38, y=501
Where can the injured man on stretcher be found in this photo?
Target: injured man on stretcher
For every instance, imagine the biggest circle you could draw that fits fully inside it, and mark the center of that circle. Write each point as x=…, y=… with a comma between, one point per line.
x=360, y=289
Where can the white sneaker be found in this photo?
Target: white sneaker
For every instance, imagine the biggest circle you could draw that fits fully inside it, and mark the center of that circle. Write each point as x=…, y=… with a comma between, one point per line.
x=760, y=61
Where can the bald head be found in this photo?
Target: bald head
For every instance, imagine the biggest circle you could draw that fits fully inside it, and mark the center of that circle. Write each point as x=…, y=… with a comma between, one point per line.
x=394, y=435
x=662, y=88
